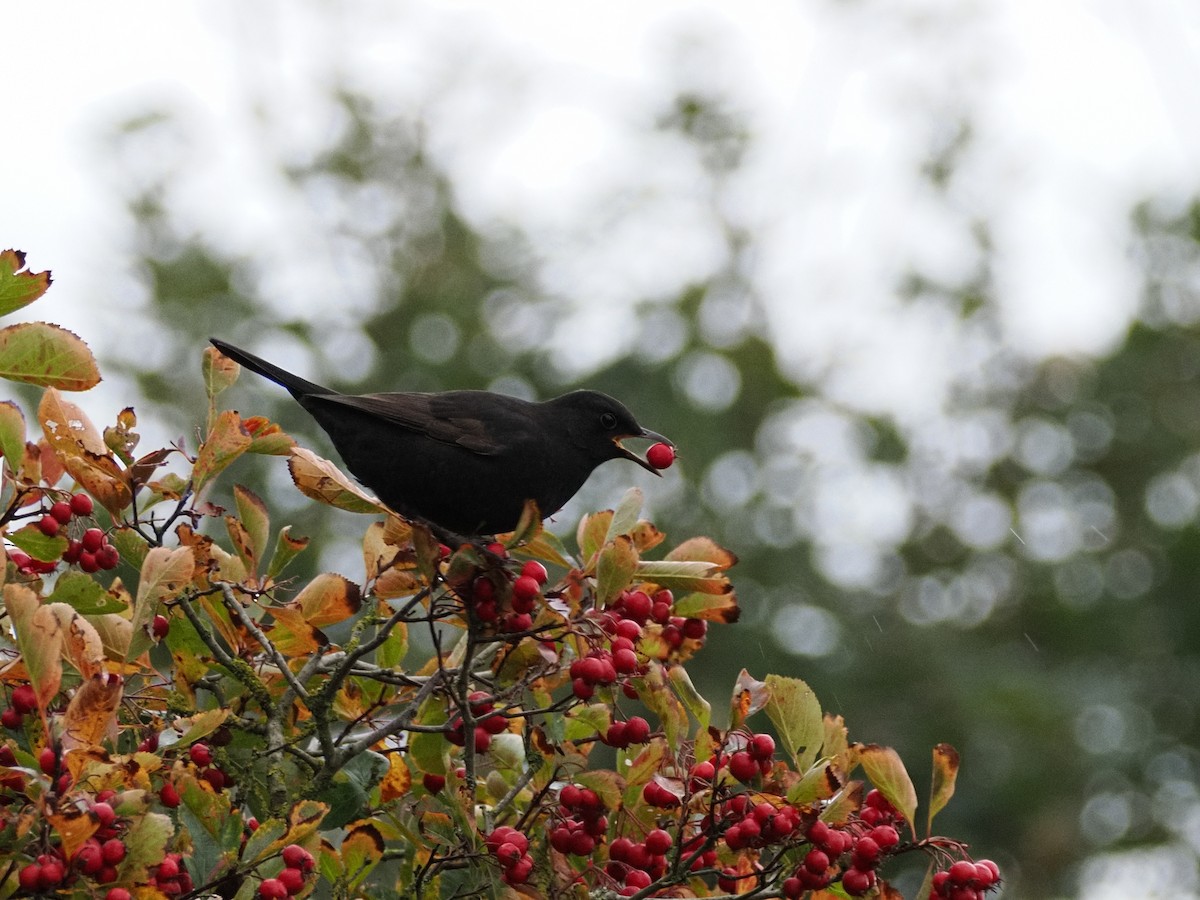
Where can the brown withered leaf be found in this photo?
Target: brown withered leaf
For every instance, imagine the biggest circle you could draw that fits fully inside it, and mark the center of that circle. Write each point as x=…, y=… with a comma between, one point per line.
x=73, y=824
x=81, y=450
x=92, y=711
x=121, y=439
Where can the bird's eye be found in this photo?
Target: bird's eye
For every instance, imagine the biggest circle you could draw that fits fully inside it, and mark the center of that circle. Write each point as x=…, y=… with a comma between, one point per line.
x=608, y=420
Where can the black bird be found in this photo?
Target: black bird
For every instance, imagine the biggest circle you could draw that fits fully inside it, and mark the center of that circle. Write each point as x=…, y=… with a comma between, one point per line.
x=466, y=461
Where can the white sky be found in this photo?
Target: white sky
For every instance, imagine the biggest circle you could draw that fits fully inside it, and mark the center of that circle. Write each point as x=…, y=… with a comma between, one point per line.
x=1081, y=109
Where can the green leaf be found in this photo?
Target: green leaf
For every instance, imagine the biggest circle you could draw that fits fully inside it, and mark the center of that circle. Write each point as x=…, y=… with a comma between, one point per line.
x=663, y=703
x=47, y=355
x=32, y=541
x=625, y=516
x=219, y=372
x=590, y=534
x=945, y=774
x=700, y=708
x=146, y=845
x=252, y=513
x=19, y=288
x=84, y=594
x=346, y=799
x=12, y=435
x=685, y=575
x=614, y=569
x=886, y=771
x=214, y=829
x=287, y=548
x=259, y=844
x=796, y=714
x=749, y=696
x=165, y=573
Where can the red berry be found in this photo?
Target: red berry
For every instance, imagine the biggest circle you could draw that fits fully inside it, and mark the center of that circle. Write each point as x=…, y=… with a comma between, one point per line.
x=625, y=661
x=52, y=874
x=520, y=871
x=81, y=505
x=160, y=627
x=742, y=766
x=169, y=796
x=817, y=861
x=658, y=841
x=695, y=629
x=637, y=730
x=61, y=512
x=535, y=570
x=92, y=540
x=24, y=700
x=214, y=777
x=200, y=754
x=292, y=879
x=962, y=872
x=272, y=889
x=637, y=606
x=11, y=719
x=617, y=736
x=762, y=746
x=30, y=877
x=48, y=760
x=87, y=562
x=792, y=888
x=168, y=868
x=107, y=557
x=433, y=782
x=117, y=893
x=992, y=870
x=526, y=587
x=857, y=882
x=661, y=456
x=48, y=525
x=886, y=836
x=866, y=853
x=296, y=857
x=113, y=851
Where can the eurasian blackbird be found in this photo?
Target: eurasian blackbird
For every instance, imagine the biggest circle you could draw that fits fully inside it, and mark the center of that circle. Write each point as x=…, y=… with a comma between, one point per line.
x=466, y=461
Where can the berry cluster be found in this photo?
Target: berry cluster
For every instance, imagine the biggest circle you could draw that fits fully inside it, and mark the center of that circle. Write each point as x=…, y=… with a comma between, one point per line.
x=23, y=702
x=488, y=722
x=644, y=609
x=171, y=877
x=297, y=863
x=96, y=860
x=965, y=880
x=755, y=759
x=91, y=551
x=510, y=847
x=634, y=730
x=757, y=824
x=517, y=614
x=636, y=864
x=581, y=821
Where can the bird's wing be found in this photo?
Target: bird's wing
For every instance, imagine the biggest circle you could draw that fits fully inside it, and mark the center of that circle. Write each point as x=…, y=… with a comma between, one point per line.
x=433, y=415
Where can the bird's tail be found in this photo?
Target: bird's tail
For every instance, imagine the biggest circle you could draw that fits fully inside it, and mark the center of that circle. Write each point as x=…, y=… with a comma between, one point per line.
x=294, y=383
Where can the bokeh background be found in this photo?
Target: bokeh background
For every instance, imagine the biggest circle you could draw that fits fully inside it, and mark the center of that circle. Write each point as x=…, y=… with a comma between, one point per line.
x=914, y=285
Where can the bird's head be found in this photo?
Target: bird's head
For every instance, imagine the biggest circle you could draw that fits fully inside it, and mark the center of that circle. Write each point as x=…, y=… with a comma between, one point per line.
x=599, y=424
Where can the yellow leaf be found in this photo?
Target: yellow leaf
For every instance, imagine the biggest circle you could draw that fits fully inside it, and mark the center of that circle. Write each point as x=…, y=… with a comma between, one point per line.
x=225, y=442
x=329, y=599
x=321, y=480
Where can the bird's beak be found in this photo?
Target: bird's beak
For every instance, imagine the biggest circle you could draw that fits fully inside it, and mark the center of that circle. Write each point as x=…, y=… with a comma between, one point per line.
x=647, y=435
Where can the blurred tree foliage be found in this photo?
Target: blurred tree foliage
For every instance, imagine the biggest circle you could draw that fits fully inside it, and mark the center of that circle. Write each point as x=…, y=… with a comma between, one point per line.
x=1038, y=610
